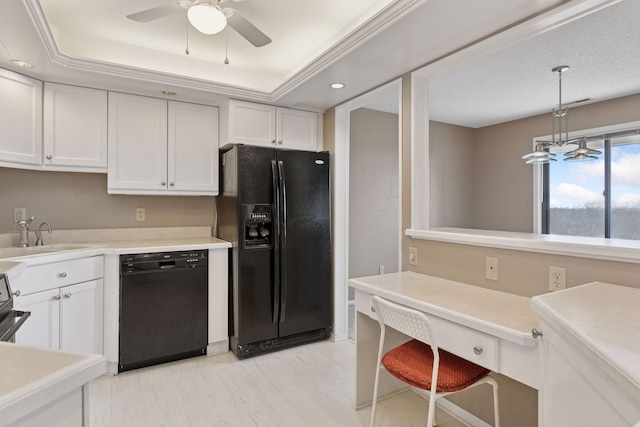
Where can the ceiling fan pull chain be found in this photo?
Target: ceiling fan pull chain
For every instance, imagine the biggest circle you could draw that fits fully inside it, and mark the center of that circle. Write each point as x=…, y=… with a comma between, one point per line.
x=187, y=50
x=226, y=46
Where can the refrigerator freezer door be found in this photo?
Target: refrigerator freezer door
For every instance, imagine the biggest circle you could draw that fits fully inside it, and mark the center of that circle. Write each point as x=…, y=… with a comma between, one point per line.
x=305, y=301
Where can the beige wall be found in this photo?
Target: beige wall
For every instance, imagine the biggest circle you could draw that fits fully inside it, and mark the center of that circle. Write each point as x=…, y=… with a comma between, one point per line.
x=499, y=193
x=71, y=201
x=374, y=227
x=451, y=166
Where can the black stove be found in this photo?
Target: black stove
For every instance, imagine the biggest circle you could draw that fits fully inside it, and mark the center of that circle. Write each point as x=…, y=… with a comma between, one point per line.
x=10, y=320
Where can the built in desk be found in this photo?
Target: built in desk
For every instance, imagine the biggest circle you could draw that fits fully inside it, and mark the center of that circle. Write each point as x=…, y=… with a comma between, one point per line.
x=487, y=327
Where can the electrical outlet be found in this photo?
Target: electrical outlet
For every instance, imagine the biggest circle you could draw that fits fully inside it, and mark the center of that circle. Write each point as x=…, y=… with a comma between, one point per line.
x=381, y=270
x=140, y=214
x=413, y=256
x=557, y=278
x=491, y=268
x=19, y=214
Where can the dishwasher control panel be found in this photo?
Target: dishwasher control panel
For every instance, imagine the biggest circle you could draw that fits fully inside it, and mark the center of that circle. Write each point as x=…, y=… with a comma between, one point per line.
x=138, y=263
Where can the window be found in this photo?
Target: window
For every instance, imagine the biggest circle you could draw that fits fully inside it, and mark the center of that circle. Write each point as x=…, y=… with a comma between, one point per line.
x=599, y=198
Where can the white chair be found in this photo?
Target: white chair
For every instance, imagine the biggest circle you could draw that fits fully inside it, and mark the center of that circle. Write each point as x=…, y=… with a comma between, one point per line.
x=420, y=363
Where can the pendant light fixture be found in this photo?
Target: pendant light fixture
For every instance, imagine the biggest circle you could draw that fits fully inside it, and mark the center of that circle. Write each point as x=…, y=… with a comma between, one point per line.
x=560, y=134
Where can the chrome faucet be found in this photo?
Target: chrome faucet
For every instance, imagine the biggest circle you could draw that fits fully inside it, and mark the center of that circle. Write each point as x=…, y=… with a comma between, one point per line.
x=24, y=232
x=39, y=241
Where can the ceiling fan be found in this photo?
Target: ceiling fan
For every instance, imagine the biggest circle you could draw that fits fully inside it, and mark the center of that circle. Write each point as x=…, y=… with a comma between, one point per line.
x=207, y=17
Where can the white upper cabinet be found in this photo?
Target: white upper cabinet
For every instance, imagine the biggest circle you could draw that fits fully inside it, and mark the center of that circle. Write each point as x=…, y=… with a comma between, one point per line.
x=269, y=126
x=75, y=128
x=161, y=148
x=20, y=120
x=193, y=148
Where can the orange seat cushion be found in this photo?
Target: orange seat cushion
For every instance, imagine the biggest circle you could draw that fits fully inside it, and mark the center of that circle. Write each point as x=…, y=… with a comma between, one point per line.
x=412, y=362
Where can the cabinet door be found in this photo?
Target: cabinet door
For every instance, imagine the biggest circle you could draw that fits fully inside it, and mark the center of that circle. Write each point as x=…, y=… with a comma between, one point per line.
x=42, y=327
x=137, y=144
x=193, y=148
x=79, y=324
x=252, y=124
x=296, y=129
x=20, y=120
x=75, y=128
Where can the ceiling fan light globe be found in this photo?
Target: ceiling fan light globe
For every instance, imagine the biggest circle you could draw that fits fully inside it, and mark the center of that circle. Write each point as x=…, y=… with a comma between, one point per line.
x=206, y=18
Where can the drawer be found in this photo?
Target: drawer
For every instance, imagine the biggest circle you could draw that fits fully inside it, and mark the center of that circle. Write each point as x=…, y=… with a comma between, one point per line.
x=462, y=341
x=49, y=276
x=467, y=343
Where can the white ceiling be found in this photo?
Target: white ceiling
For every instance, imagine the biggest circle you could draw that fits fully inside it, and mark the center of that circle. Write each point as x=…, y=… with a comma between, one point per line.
x=602, y=50
x=363, y=43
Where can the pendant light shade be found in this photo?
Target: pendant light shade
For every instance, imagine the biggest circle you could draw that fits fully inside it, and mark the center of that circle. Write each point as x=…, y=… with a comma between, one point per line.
x=560, y=134
x=207, y=18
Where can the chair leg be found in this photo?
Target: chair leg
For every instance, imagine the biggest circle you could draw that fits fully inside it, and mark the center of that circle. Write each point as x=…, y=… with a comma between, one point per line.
x=431, y=418
x=496, y=412
x=377, y=380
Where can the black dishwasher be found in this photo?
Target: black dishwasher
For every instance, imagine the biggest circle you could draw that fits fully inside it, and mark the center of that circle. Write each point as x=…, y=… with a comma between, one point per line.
x=163, y=307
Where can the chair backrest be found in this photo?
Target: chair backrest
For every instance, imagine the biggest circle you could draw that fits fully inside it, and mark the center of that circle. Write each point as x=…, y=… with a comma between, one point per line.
x=404, y=319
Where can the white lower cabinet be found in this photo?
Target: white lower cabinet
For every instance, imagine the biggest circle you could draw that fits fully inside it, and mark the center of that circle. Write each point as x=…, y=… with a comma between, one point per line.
x=66, y=316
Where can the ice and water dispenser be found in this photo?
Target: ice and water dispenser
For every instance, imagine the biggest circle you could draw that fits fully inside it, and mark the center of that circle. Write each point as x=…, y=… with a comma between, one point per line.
x=257, y=226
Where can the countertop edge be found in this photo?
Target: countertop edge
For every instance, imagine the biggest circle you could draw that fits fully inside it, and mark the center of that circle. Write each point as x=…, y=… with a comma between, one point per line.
x=23, y=401
x=503, y=332
x=582, y=339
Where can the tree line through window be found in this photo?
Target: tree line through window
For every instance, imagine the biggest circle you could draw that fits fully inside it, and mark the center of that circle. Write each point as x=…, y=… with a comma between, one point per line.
x=598, y=198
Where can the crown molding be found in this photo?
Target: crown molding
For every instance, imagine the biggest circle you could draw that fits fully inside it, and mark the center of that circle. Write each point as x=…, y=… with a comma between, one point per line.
x=355, y=39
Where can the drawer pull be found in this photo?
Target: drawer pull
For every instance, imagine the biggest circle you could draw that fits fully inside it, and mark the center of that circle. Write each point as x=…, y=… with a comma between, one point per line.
x=536, y=333
x=477, y=350
x=16, y=293
x=62, y=275
x=67, y=296
x=56, y=297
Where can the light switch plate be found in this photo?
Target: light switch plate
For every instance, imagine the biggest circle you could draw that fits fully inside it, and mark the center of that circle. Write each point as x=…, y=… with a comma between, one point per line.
x=413, y=256
x=491, y=268
x=140, y=214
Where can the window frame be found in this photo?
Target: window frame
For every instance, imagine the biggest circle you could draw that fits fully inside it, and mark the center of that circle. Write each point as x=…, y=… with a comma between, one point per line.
x=541, y=190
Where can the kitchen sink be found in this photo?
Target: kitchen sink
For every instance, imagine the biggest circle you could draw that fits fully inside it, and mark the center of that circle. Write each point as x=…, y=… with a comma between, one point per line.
x=42, y=250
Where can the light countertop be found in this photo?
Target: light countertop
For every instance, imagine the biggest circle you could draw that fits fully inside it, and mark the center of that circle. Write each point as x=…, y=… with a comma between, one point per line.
x=63, y=251
x=602, y=318
x=501, y=314
x=32, y=377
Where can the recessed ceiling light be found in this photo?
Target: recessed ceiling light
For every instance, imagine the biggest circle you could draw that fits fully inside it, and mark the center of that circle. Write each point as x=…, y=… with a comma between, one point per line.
x=336, y=85
x=168, y=93
x=20, y=63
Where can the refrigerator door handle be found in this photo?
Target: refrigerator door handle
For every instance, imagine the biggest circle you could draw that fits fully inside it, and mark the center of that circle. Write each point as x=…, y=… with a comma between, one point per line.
x=283, y=242
x=276, y=244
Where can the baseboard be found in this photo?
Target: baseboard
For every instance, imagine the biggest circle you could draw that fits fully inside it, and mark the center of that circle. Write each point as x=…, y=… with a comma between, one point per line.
x=218, y=347
x=455, y=411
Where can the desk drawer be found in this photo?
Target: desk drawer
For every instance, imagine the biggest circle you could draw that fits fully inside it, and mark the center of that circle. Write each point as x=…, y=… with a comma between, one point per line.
x=467, y=343
x=457, y=339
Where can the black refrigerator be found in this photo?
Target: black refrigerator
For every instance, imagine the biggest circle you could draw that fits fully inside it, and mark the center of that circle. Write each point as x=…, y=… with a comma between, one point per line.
x=274, y=208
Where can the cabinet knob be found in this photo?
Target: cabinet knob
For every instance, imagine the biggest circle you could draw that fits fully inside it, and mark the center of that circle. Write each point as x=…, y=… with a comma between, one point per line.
x=373, y=309
x=163, y=183
x=62, y=275
x=16, y=293
x=477, y=350
x=49, y=157
x=67, y=296
x=56, y=297
x=280, y=142
x=273, y=141
x=172, y=184
x=536, y=333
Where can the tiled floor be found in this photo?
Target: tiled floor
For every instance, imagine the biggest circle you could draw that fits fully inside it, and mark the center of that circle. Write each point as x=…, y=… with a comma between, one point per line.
x=308, y=386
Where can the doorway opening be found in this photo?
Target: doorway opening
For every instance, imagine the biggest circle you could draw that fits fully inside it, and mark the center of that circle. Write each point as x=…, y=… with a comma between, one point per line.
x=367, y=226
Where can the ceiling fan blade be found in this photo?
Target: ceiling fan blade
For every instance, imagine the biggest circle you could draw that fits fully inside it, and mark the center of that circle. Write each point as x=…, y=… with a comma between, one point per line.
x=156, y=12
x=246, y=29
